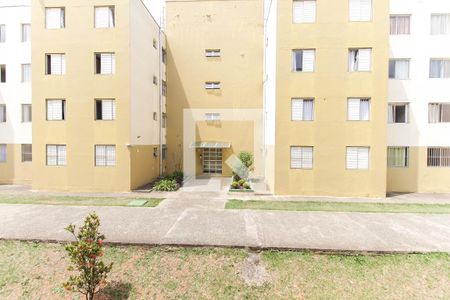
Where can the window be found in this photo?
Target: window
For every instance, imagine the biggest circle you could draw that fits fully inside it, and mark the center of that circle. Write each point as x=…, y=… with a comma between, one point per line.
x=154, y=44
x=398, y=113
x=155, y=80
x=359, y=60
x=440, y=24
x=357, y=158
x=400, y=25
x=55, y=17
x=2, y=33
x=56, y=155
x=105, y=155
x=358, y=109
x=26, y=73
x=155, y=116
x=2, y=153
x=26, y=113
x=438, y=157
x=360, y=10
x=27, y=155
x=163, y=120
x=304, y=11
x=439, y=68
x=398, y=157
x=26, y=33
x=2, y=113
x=303, y=60
x=212, y=85
x=2, y=73
x=164, y=152
x=301, y=157
x=164, y=88
x=104, y=16
x=302, y=109
x=105, y=109
x=105, y=63
x=212, y=53
x=56, y=110
x=211, y=117
x=399, y=68
x=163, y=55
x=438, y=112
x=55, y=64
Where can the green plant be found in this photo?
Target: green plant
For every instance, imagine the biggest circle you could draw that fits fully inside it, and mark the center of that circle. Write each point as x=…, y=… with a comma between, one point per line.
x=166, y=185
x=177, y=175
x=246, y=158
x=84, y=254
x=246, y=186
x=241, y=182
x=234, y=185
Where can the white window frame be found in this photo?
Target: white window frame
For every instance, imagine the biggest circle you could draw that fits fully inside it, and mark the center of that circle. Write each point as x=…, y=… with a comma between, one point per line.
x=212, y=85
x=444, y=26
x=56, y=155
x=2, y=33
x=3, y=153
x=26, y=113
x=392, y=113
x=105, y=155
x=394, y=25
x=26, y=33
x=444, y=68
x=308, y=60
x=357, y=60
x=212, y=117
x=26, y=73
x=395, y=161
x=361, y=152
x=299, y=110
x=51, y=104
x=108, y=109
x=104, y=16
x=438, y=112
x=357, y=10
x=105, y=63
x=55, y=64
x=394, y=65
x=3, y=113
x=213, y=53
x=304, y=159
x=27, y=154
x=438, y=157
x=304, y=11
x=55, y=17
x=356, y=104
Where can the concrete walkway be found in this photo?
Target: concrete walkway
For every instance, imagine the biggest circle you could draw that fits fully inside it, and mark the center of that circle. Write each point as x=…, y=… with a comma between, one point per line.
x=198, y=218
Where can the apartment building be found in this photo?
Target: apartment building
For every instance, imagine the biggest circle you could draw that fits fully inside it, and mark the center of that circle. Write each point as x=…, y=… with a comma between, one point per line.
x=215, y=73
x=98, y=95
x=419, y=97
x=15, y=92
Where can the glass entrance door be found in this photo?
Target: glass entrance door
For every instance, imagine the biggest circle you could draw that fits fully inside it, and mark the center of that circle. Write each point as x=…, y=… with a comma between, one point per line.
x=212, y=161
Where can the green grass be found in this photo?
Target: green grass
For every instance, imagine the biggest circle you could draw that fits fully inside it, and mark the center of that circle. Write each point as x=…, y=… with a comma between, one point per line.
x=340, y=206
x=74, y=200
x=37, y=271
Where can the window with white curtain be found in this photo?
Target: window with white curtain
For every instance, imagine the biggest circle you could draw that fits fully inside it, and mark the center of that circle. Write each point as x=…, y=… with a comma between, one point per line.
x=357, y=157
x=438, y=112
x=360, y=10
x=105, y=109
x=438, y=156
x=399, y=68
x=358, y=109
x=212, y=85
x=400, y=24
x=359, y=60
x=2, y=113
x=55, y=64
x=2, y=153
x=440, y=24
x=104, y=16
x=301, y=157
x=27, y=152
x=56, y=155
x=398, y=157
x=105, y=155
x=439, y=68
x=303, y=60
x=26, y=73
x=55, y=17
x=26, y=33
x=56, y=110
x=304, y=11
x=105, y=63
x=26, y=113
x=2, y=33
x=397, y=113
x=302, y=109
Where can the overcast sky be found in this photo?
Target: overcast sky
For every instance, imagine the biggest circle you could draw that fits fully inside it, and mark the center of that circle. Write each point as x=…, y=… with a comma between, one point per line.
x=155, y=7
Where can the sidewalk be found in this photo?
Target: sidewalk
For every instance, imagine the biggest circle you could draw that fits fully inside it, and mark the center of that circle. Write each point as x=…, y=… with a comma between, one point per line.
x=198, y=219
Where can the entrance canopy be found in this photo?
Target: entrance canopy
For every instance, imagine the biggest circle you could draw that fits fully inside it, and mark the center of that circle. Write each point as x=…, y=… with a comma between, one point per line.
x=217, y=145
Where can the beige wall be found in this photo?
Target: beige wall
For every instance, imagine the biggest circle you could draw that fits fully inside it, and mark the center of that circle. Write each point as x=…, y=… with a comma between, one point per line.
x=418, y=177
x=14, y=171
x=331, y=84
x=235, y=27
x=144, y=166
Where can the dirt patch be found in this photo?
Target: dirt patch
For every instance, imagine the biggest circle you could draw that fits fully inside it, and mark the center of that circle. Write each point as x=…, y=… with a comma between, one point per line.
x=253, y=271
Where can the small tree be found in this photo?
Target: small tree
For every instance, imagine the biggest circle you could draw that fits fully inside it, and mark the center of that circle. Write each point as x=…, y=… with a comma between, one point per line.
x=246, y=158
x=84, y=254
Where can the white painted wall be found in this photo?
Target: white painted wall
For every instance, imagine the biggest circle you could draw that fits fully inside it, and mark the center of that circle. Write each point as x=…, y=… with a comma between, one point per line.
x=419, y=90
x=13, y=53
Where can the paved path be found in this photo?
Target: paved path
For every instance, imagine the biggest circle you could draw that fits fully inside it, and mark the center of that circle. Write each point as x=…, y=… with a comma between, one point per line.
x=199, y=219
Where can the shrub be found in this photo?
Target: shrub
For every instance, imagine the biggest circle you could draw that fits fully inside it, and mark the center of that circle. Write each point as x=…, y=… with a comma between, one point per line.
x=246, y=158
x=241, y=182
x=234, y=185
x=177, y=175
x=236, y=177
x=246, y=186
x=166, y=185
x=84, y=254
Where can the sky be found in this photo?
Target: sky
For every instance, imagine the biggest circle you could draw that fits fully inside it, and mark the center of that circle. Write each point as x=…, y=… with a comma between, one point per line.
x=155, y=7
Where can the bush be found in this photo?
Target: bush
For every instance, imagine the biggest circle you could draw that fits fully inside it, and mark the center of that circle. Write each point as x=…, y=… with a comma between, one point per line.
x=234, y=185
x=246, y=186
x=177, y=175
x=246, y=158
x=166, y=185
x=241, y=182
x=84, y=256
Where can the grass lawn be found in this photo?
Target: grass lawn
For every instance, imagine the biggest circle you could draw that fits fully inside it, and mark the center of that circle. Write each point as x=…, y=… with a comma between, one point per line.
x=74, y=200
x=37, y=270
x=339, y=206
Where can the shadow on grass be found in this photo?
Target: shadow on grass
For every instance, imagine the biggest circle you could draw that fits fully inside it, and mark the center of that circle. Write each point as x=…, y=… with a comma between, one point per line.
x=115, y=290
